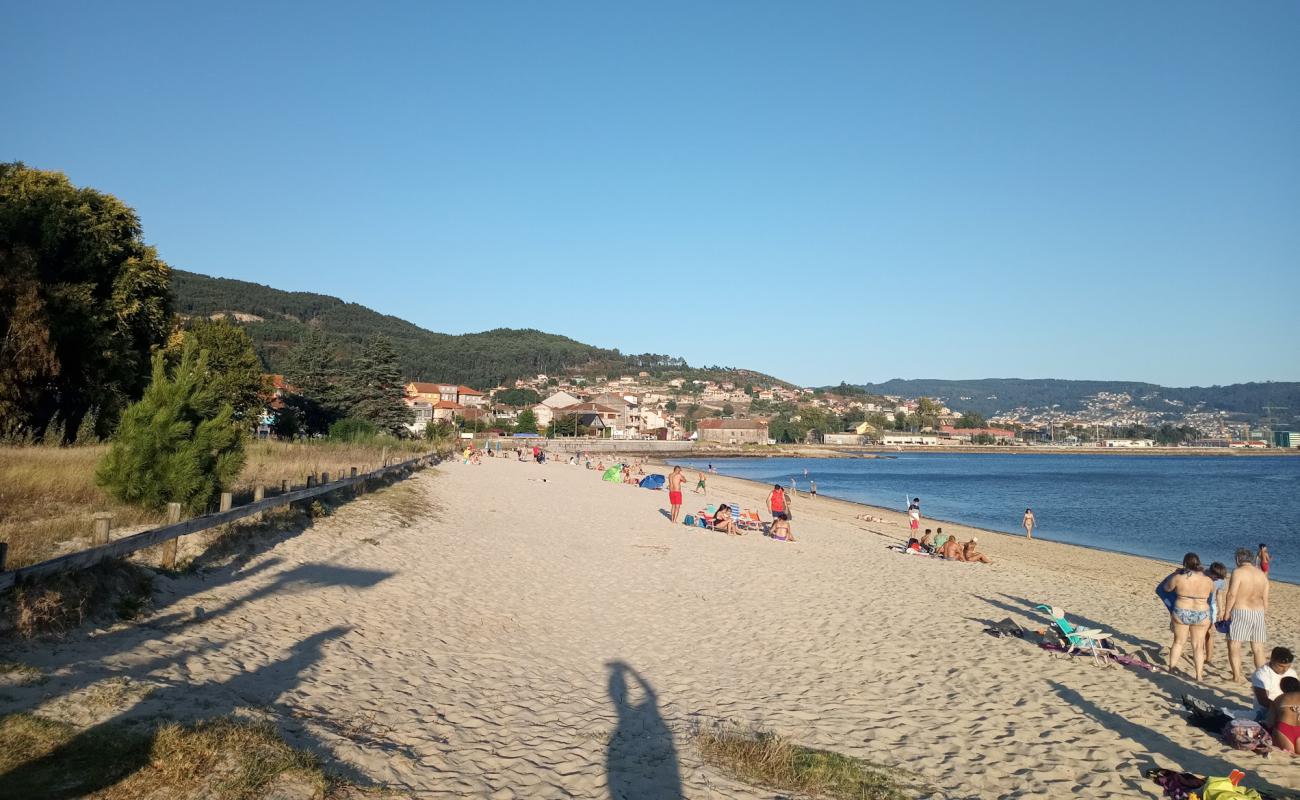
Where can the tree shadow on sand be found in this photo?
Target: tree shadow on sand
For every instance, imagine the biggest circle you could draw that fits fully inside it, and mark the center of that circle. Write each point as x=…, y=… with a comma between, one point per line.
x=54, y=776
x=641, y=759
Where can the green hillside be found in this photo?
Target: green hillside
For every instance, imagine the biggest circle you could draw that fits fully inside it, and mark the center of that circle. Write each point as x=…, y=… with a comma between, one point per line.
x=277, y=319
x=992, y=395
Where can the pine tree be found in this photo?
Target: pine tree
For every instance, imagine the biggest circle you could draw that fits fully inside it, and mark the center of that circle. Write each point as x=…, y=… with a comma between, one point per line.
x=313, y=373
x=178, y=444
x=375, y=388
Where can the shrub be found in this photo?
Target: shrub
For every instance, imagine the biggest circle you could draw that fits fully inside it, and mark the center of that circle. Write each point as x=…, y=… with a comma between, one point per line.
x=178, y=444
x=352, y=429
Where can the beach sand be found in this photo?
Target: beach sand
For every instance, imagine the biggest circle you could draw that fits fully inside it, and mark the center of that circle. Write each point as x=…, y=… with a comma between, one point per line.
x=560, y=638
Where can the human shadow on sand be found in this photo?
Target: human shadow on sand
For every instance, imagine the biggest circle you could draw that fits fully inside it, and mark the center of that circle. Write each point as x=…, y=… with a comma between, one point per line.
x=641, y=760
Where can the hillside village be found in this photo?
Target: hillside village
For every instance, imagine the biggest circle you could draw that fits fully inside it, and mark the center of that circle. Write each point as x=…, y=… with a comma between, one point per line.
x=645, y=406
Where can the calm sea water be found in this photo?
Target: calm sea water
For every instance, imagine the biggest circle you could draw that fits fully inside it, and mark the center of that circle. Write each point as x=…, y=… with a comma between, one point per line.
x=1159, y=506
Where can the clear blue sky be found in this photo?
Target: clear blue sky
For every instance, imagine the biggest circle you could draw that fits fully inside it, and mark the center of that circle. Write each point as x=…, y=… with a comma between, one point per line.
x=822, y=191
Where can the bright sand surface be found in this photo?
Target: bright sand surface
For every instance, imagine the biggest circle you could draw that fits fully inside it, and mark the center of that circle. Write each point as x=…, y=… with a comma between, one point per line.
x=560, y=638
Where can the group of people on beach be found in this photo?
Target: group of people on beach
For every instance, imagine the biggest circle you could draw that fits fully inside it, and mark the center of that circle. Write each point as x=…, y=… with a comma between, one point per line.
x=722, y=519
x=1203, y=601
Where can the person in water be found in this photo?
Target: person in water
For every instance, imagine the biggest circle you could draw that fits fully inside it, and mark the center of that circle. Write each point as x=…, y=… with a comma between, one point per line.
x=1190, y=615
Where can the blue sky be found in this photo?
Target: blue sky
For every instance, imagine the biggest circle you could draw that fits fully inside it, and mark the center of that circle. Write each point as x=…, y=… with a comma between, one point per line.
x=822, y=191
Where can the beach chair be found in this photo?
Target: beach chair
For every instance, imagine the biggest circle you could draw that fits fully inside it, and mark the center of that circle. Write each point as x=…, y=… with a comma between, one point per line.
x=750, y=519
x=1092, y=641
x=735, y=518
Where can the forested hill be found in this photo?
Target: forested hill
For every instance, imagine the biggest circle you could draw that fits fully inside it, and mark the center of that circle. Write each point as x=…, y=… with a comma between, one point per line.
x=992, y=395
x=277, y=319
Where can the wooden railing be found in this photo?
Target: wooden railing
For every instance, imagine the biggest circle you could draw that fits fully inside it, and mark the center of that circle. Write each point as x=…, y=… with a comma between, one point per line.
x=167, y=535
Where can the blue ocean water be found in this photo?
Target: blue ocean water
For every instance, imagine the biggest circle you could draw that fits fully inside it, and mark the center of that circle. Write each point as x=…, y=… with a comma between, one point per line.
x=1158, y=506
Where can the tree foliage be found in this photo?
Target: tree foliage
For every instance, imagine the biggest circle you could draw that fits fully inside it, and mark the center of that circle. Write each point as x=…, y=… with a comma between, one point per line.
x=179, y=443
x=517, y=398
x=312, y=370
x=234, y=368
x=375, y=388
x=83, y=302
x=526, y=422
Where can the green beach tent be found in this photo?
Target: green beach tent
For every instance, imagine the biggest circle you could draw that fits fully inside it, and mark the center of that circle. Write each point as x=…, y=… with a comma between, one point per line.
x=614, y=474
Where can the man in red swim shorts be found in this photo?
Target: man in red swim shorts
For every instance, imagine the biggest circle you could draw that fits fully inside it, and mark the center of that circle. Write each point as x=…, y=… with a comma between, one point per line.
x=675, y=480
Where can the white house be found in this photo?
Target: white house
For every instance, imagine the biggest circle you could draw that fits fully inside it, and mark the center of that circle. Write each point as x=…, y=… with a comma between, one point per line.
x=928, y=439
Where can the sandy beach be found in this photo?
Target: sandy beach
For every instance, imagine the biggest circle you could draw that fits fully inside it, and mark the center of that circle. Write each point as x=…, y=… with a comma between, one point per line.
x=534, y=632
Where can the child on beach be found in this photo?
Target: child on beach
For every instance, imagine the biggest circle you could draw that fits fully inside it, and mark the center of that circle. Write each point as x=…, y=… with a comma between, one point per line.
x=699, y=483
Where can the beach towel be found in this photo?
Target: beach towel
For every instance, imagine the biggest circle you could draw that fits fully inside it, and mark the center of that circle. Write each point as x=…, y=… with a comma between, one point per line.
x=1225, y=789
x=1007, y=627
x=1166, y=596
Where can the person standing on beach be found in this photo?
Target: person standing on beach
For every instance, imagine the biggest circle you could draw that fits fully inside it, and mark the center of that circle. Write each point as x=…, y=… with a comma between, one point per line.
x=699, y=484
x=1262, y=559
x=675, y=481
x=1028, y=523
x=1245, y=607
x=1190, y=614
x=914, y=515
x=776, y=502
x=812, y=488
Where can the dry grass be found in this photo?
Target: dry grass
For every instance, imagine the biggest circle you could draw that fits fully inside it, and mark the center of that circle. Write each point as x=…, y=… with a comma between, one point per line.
x=16, y=673
x=112, y=591
x=223, y=759
x=764, y=759
x=48, y=495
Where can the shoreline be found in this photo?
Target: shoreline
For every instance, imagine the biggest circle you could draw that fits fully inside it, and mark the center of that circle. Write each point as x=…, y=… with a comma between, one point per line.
x=884, y=512
x=877, y=451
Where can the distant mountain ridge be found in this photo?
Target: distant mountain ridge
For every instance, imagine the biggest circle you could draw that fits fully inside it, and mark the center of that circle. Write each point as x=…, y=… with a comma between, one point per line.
x=277, y=319
x=990, y=396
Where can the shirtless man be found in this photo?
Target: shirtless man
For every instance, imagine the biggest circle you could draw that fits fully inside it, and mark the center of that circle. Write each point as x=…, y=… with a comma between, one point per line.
x=951, y=549
x=675, y=481
x=1245, y=606
x=969, y=553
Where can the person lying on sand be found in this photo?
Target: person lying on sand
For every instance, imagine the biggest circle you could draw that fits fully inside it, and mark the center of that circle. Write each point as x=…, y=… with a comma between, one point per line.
x=781, y=530
x=722, y=520
x=1284, y=717
x=970, y=554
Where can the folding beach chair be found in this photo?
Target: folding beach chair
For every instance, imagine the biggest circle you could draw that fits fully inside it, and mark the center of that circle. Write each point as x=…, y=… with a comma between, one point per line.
x=1092, y=641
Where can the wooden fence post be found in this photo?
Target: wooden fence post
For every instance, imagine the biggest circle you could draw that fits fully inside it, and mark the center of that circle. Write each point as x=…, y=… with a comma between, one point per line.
x=4, y=554
x=103, y=525
x=353, y=473
x=169, y=546
x=284, y=487
x=311, y=481
x=259, y=494
x=324, y=478
x=227, y=500
x=383, y=456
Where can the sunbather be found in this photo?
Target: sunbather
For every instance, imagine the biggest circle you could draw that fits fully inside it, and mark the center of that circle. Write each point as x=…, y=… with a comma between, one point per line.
x=781, y=530
x=970, y=554
x=1284, y=717
x=722, y=520
x=951, y=549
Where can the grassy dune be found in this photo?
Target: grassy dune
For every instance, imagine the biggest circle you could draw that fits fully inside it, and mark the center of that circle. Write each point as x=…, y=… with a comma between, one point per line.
x=48, y=496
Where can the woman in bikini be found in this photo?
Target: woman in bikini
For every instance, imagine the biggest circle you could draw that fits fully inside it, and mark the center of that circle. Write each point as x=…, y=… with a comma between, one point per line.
x=722, y=521
x=1284, y=717
x=1190, y=615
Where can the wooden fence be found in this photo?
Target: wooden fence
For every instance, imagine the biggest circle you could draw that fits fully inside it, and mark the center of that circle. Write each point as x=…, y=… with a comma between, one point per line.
x=103, y=549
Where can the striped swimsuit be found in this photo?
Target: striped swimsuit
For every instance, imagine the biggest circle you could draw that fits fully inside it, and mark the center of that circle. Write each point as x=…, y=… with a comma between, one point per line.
x=1247, y=626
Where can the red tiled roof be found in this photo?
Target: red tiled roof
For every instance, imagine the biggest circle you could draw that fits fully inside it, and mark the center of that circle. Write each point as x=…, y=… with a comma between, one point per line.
x=467, y=390
x=422, y=388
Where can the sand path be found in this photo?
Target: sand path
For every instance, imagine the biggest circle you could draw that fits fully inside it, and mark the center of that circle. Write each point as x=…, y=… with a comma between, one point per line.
x=560, y=638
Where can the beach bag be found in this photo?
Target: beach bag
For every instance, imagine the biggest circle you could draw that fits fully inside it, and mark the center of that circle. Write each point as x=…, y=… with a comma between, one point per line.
x=690, y=520
x=1247, y=734
x=1225, y=789
x=1167, y=597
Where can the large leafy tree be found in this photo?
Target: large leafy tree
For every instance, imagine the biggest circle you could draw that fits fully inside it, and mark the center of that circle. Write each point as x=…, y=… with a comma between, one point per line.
x=179, y=444
x=313, y=372
x=375, y=387
x=83, y=302
x=234, y=369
